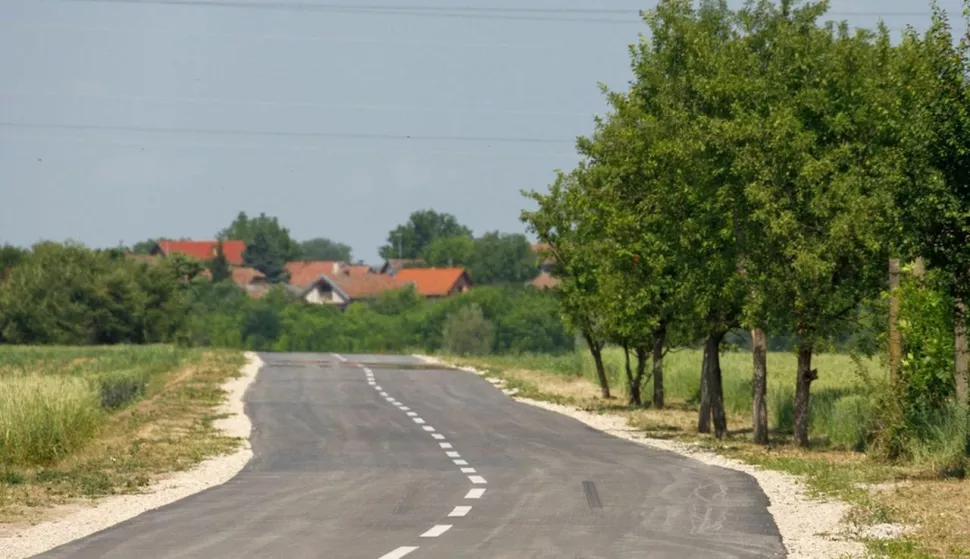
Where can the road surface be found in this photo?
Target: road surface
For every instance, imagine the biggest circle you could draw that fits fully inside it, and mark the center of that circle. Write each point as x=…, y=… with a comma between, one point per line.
x=377, y=457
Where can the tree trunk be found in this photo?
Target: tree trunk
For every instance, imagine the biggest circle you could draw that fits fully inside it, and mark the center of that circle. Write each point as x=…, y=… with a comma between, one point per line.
x=712, y=393
x=716, y=388
x=895, y=341
x=961, y=369
x=658, y=367
x=759, y=407
x=596, y=349
x=803, y=385
x=643, y=355
x=704, y=412
x=632, y=383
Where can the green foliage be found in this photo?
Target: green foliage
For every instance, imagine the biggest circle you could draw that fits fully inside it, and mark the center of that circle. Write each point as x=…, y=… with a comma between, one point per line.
x=324, y=249
x=263, y=255
x=10, y=256
x=450, y=251
x=490, y=259
x=246, y=229
x=67, y=294
x=468, y=332
x=422, y=228
x=219, y=267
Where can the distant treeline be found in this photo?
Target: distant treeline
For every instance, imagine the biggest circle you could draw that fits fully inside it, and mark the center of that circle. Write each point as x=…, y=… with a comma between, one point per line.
x=72, y=295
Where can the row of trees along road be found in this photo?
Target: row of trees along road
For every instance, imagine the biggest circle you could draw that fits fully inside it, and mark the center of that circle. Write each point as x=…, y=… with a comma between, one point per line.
x=759, y=173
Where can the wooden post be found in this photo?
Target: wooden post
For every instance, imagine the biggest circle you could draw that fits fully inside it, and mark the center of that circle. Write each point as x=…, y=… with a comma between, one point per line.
x=895, y=342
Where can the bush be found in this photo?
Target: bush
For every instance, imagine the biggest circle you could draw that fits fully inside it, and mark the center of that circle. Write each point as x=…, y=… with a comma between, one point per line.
x=120, y=388
x=468, y=332
x=43, y=419
x=848, y=425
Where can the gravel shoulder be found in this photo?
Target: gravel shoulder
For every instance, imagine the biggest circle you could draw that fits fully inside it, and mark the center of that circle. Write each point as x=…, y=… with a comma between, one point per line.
x=106, y=512
x=810, y=528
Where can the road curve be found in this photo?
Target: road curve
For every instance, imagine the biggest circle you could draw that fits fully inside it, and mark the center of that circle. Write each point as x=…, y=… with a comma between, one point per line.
x=377, y=457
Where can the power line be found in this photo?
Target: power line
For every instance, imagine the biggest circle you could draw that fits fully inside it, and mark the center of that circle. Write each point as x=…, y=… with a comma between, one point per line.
x=270, y=133
x=450, y=11
x=381, y=10
x=293, y=104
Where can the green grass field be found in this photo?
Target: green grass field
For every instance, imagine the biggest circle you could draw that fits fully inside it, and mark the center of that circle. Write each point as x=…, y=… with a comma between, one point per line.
x=88, y=421
x=838, y=405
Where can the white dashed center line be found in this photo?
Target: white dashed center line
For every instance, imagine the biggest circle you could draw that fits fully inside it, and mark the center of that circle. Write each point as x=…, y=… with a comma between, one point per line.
x=436, y=531
x=399, y=552
x=475, y=493
x=459, y=511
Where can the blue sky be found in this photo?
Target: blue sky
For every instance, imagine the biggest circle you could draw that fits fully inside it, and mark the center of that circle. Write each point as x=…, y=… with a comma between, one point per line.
x=121, y=120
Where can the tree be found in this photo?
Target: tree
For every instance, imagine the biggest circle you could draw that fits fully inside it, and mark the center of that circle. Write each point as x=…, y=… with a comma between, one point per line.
x=450, y=251
x=219, y=266
x=422, y=228
x=502, y=258
x=245, y=228
x=561, y=222
x=146, y=246
x=468, y=332
x=261, y=254
x=935, y=203
x=10, y=256
x=324, y=249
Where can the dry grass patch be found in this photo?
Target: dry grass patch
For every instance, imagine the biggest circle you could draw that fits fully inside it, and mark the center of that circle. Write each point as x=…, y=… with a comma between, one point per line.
x=169, y=429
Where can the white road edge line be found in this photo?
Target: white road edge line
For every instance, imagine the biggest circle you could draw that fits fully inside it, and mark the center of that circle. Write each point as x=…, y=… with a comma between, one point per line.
x=460, y=511
x=399, y=552
x=436, y=531
x=475, y=493
x=341, y=357
x=477, y=479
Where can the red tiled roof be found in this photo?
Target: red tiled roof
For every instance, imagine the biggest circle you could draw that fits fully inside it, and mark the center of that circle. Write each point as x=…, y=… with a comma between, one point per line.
x=364, y=286
x=205, y=250
x=244, y=276
x=432, y=282
x=545, y=280
x=302, y=274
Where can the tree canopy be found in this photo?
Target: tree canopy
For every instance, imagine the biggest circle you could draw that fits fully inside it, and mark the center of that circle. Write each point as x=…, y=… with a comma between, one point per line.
x=422, y=228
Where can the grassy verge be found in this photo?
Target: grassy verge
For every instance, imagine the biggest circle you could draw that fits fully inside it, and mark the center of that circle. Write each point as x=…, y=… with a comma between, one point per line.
x=94, y=421
x=881, y=493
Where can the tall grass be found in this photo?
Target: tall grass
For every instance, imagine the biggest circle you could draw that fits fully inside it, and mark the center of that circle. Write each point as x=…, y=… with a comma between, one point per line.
x=839, y=404
x=52, y=399
x=43, y=419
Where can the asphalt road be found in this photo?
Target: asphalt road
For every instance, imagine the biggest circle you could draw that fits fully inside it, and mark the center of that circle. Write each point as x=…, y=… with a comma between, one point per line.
x=342, y=471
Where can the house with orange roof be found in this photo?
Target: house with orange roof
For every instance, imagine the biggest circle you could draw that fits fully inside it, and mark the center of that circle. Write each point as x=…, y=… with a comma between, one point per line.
x=545, y=279
x=201, y=250
x=303, y=273
x=345, y=286
x=436, y=282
